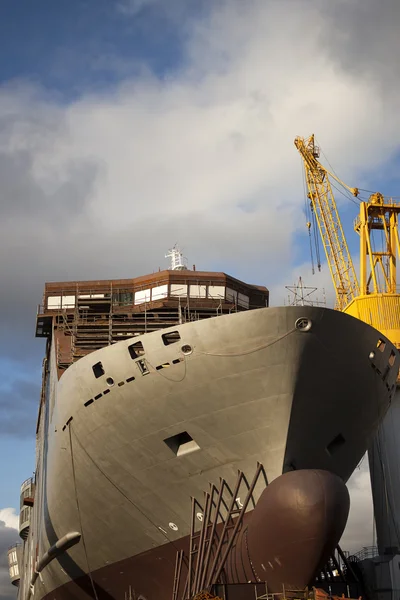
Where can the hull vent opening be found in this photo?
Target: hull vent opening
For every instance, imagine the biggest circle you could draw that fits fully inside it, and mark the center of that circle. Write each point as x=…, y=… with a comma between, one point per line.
x=136, y=350
x=181, y=444
x=98, y=370
x=381, y=345
x=335, y=444
x=171, y=337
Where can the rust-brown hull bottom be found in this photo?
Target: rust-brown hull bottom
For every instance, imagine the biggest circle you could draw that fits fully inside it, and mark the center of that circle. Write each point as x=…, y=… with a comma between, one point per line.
x=285, y=540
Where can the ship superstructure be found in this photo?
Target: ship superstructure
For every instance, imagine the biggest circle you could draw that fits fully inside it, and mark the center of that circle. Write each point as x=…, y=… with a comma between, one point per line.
x=88, y=315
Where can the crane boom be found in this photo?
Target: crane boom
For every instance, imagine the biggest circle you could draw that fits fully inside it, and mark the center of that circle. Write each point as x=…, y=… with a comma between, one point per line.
x=324, y=206
x=376, y=300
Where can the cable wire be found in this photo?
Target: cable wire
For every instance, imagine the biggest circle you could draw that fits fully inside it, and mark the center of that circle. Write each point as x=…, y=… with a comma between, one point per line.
x=159, y=371
x=346, y=194
x=307, y=211
x=246, y=352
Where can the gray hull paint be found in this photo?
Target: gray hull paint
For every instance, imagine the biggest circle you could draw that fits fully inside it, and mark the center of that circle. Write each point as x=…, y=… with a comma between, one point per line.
x=254, y=388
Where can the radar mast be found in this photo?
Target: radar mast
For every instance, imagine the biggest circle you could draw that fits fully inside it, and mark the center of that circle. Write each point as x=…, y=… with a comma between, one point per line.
x=177, y=260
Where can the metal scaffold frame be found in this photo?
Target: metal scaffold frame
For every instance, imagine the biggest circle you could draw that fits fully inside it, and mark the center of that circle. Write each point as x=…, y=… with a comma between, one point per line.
x=222, y=518
x=207, y=565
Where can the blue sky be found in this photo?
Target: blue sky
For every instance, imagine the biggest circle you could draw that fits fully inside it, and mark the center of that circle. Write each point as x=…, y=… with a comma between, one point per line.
x=87, y=44
x=127, y=126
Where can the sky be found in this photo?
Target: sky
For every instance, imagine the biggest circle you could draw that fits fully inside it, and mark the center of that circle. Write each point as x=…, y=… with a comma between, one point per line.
x=129, y=125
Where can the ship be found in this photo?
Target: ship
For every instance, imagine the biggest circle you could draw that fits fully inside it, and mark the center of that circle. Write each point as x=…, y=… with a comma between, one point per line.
x=158, y=388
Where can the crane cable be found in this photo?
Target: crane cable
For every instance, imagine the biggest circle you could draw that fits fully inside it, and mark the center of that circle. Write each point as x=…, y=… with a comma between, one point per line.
x=345, y=193
x=316, y=240
x=308, y=215
x=350, y=197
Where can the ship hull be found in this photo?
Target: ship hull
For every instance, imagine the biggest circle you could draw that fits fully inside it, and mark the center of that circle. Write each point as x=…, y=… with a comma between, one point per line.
x=259, y=386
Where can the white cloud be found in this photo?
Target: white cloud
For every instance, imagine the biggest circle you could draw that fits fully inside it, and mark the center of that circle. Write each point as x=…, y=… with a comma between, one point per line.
x=8, y=537
x=214, y=139
x=360, y=526
x=9, y=517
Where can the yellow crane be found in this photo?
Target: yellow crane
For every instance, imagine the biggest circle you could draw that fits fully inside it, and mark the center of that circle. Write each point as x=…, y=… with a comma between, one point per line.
x=375, y=298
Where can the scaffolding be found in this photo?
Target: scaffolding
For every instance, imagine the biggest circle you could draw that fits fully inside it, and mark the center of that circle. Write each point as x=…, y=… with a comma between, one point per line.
x=87, y=316
x=204, y=571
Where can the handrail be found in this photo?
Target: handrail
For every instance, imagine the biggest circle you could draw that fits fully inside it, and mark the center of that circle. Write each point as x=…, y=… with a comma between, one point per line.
x=366, y=552
x=16, y=545
x=25, y=483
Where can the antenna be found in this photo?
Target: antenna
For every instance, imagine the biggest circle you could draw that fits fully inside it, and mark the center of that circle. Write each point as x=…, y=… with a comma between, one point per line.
x=302, y=295
x=177, y=260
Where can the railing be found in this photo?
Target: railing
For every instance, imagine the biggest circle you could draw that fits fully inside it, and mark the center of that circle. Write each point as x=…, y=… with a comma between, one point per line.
x=14, y=546
x=366, y=552
x=306, y=593
x=27, y=482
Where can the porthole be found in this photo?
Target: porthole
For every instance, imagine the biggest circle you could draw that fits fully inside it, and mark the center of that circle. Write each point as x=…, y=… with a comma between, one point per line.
x=186, y=349
x=303, y=324
x=110, y=381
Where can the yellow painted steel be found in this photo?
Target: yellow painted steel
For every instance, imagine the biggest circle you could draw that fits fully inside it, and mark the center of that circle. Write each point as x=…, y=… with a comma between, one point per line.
x=324, y=206
x=382, y=311
x=376, y=299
